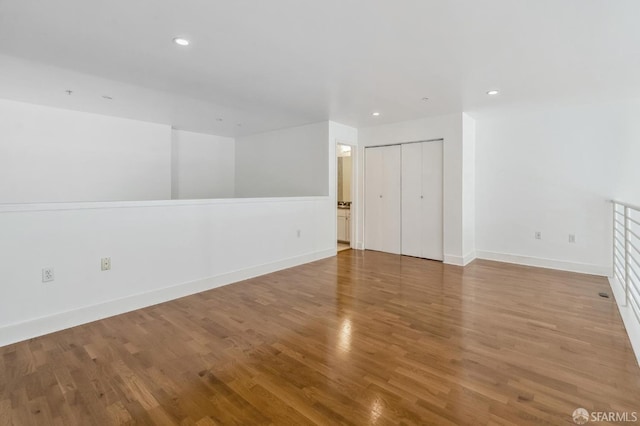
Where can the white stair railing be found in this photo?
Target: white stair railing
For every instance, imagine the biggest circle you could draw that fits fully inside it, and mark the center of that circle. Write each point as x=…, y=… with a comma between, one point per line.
x=626, y=254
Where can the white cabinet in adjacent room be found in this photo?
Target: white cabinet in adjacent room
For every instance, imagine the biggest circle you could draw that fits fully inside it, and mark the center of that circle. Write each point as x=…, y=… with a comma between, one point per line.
x=344, y=228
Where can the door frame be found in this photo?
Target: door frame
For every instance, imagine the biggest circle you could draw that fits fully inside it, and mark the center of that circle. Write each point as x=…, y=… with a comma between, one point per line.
x=353, y=214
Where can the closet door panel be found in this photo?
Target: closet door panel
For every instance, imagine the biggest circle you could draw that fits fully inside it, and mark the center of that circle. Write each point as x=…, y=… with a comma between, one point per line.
x=391, y=208
x=372, y=190
x=432, y=201
x=412, y=235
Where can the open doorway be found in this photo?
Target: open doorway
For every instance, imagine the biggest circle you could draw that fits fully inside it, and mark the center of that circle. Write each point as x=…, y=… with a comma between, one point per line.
x=344, y=195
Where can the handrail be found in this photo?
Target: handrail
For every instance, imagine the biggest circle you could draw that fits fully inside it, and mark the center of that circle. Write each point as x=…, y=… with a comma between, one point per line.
x=623, y=204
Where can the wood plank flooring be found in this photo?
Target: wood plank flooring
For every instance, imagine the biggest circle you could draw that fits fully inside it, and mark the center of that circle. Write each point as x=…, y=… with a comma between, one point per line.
x=343, y=246
x=362, y=338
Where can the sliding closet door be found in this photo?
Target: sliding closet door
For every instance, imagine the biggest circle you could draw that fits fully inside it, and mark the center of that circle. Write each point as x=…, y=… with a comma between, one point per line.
x=372, y=202
x=422, y=200
x=432, y=201
x=392, y=199
x=412, y=235
x=383, y=199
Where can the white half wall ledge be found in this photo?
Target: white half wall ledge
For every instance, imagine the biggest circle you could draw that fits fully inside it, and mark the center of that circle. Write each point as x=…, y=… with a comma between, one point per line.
x=14, y=333
x=100, y=205
x=629, y=319
x=561, y=265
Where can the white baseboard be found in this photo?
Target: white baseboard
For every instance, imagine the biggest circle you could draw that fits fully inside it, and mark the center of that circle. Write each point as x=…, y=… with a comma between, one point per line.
x=470, y=257
x=631, y=323
x=450, y=259
x=13, y=333
x=561, y=265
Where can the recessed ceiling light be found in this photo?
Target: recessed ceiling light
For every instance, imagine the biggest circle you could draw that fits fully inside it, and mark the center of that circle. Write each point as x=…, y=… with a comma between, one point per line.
x=425, y=99
x=107, y=97
x=181, y=41
x=219, y=119
x=68, y=92
x=492, y=92
x=375, y=114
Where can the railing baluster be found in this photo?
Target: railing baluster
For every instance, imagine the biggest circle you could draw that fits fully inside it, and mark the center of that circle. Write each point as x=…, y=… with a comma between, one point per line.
x=626, y=255
x=626, y=266
x=615, y=210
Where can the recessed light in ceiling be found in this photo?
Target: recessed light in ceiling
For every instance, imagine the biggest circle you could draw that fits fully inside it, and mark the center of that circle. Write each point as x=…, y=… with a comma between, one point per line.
x=425, y=99
x=107, y=97
x=492, y=92
x=68, y=92
x=181, y=41
x=375, y=114
x=219, y=119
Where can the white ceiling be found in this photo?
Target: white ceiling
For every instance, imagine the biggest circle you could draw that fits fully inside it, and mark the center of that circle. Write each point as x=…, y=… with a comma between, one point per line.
x=278, y=63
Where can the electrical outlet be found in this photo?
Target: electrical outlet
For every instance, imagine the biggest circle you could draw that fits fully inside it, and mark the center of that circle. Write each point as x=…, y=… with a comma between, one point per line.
x=299, y=232
x=106, y=263
x=572, y=238
x=538, y=235
x=47, y=275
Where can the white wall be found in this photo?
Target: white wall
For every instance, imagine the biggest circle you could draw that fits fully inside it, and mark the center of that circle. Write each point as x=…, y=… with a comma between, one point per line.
x=468, y=188
x=159, y=251
x=551, y=171
x=202, y=166
x=55, y=155
x=449, y=128
x=283, y=163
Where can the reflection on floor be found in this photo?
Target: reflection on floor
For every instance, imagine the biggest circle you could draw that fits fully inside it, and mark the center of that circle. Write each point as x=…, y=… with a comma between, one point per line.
x=343, y=246
x=359, y=338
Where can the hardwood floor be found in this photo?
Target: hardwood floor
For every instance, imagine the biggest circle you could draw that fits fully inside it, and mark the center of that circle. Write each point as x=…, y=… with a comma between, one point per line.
x=362, y=338
x=343, y=246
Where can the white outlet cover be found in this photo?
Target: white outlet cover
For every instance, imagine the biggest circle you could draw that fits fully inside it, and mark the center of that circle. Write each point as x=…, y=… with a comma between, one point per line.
x=105, y=263
x=47, y=275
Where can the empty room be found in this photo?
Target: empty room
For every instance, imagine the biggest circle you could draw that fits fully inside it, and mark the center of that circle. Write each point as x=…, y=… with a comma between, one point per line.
x=421, y=212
